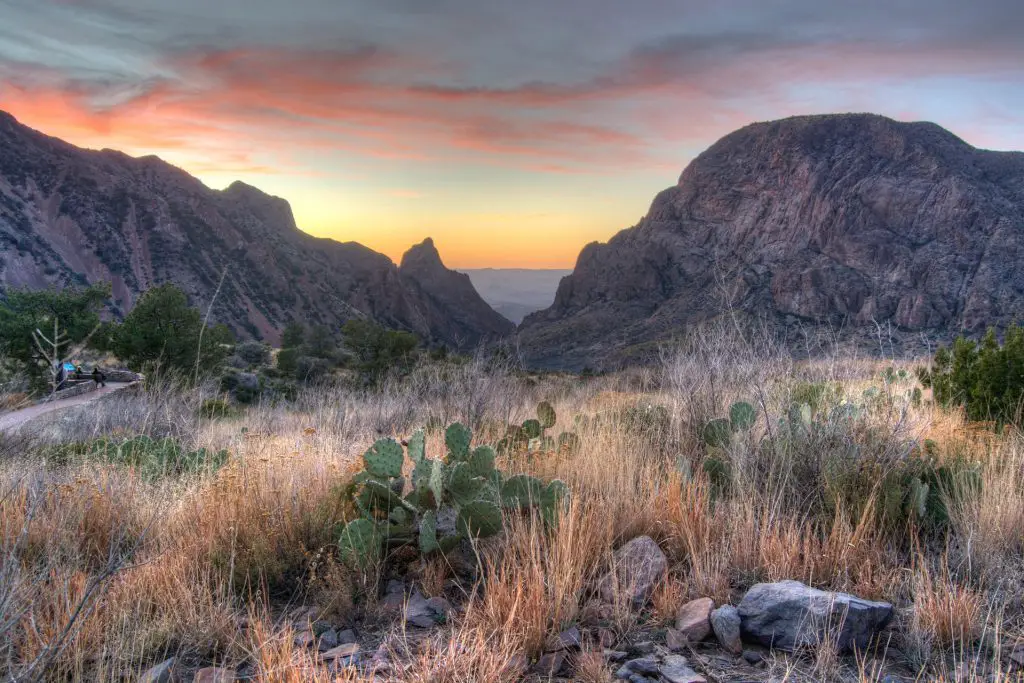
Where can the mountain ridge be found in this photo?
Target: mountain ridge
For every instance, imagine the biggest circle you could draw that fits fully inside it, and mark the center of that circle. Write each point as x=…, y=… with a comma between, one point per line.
x=829, y=223
x=74, y=216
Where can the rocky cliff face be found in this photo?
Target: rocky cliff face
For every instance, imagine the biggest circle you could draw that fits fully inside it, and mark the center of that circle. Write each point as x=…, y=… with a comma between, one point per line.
x=69, y=215
x=471, y=317
x=848, y=224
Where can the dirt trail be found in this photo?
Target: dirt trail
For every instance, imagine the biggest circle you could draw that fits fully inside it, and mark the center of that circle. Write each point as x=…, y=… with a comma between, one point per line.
x=14, y=419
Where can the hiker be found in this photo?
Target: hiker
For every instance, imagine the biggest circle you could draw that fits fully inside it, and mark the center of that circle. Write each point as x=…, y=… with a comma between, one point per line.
x=99, y=377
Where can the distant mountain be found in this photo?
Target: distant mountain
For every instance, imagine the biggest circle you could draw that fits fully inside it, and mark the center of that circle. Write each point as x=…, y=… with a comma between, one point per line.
x=516, y=292
x=853, y=227
x=470, y=314
x=69, y=215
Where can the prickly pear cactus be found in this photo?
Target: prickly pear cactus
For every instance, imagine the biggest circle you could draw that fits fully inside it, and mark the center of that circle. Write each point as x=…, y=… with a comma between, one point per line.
x=384, y=458
x=457, y=439
x=717, y=433
x=532, y=429
x=742, y=416
x=466, y=490
x=479, y=518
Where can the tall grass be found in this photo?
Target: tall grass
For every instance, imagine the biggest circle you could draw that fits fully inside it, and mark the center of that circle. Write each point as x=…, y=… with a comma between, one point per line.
x=104, y=573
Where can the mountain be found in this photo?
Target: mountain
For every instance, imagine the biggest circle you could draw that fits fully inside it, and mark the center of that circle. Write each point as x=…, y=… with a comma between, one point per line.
x=470, y=315
x=851, y=227
x=516, y=292
x=75, y=216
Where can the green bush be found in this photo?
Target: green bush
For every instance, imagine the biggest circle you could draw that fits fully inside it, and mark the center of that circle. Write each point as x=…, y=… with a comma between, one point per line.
x=985, y=377
x=76, y=312
x=378, y=351
x=162, y=329
x=213, y=408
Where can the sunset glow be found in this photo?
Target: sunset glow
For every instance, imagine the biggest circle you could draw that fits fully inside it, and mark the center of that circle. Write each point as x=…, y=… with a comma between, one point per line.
x=513, y=133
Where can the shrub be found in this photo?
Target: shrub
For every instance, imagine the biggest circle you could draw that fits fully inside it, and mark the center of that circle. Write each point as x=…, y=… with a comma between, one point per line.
x=213, y=408
x=253, y=352
x=150, y=458
x=75, y=311
x=986, y=378
x=164, y=329
x=379, y=351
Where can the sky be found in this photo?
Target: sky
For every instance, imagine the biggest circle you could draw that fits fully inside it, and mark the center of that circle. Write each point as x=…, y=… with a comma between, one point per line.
x=511, y=132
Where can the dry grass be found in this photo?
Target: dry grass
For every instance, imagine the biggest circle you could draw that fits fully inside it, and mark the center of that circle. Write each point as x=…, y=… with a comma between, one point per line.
x=192, y=559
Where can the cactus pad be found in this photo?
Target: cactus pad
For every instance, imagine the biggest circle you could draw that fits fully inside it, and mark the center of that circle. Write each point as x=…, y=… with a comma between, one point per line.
x=384, y=458
x=417, y=446
x=360, y=543
x=532, y=429
x=457, y=439
x=479, y=518
x=717, y=432
x=742, y=416
x=481, y=462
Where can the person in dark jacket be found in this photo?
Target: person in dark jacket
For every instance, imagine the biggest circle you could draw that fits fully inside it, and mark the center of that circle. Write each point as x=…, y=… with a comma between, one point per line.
x=99, y=377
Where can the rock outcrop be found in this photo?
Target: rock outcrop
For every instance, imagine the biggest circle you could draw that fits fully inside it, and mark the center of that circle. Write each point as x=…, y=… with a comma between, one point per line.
x=470, y=317
x=75, y=216
x=854, y=226
x=789, y=615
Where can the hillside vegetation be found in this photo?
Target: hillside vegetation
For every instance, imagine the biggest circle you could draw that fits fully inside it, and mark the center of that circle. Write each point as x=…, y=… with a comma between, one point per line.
x=169, y=523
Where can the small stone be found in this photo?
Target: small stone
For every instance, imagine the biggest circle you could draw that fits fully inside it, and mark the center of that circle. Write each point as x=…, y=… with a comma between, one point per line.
x=550, y=664
x=328, y=639
x=725, y=622
x=643, y=647
x=517, y=664
x=346, y=650
x=644, y=665
x=214, y=674
x=606, y=637
x=675, y=640
x=304, y=639
x=164, y=672
x=394, y=595
x=623, y=673
x=640, y=678
x=639, y=566
x=418, y=613
x=569, y=639
x=752, y=657
x=615, y=655
x=439, y=606
x=346, y=636
x=676, y=669
x=320, y=626
x=693, y=619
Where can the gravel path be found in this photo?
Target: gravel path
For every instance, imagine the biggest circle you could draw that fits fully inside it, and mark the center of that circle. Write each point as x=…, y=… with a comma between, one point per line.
x=14, y=419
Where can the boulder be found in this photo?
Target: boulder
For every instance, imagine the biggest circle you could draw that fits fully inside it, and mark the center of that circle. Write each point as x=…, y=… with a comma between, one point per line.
x=725, y=622
x=789, y=615
x=676, y=669
x=639, y=565
x=164, y=672
x=693, y=620
x=214, y=674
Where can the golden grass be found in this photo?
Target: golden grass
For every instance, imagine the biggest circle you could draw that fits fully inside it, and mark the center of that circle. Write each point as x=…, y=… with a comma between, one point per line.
x=206, y=553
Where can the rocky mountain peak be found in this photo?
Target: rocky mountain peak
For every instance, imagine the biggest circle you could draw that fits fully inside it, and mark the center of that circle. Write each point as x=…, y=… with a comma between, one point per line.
x=422, y=264
x=69, y=215
x=423, y=256
x=840, y=225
